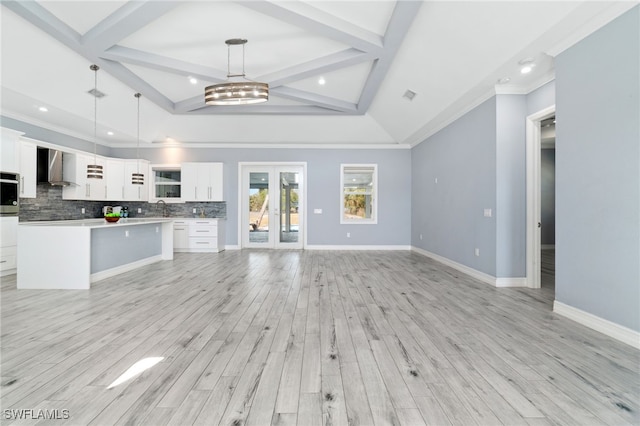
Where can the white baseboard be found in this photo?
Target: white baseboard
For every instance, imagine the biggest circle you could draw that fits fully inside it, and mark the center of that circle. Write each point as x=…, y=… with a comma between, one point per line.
x=107, y=273
x=489, y=279
x=606, y=327
x=356, y=248
x=479, y=275
x=547, y=247
x=511, y=282
x=232, y=247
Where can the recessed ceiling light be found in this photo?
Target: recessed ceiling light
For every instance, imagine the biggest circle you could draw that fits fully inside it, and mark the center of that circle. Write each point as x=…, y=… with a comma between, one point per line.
x=43, y=109
x=503, y=80
x=321, y=81
x=110, y=133
x=527, y=65
x=193, y=80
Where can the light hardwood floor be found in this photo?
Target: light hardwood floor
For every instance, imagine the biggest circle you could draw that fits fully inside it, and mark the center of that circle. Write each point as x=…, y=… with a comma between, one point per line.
x=308, y=338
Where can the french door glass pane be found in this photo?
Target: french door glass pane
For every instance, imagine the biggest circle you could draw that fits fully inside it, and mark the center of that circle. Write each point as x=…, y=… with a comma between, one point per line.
x=258, y=207
x=289, y=183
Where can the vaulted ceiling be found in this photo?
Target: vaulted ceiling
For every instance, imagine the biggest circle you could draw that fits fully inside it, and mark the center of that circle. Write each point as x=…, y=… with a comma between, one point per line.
x=366, y=54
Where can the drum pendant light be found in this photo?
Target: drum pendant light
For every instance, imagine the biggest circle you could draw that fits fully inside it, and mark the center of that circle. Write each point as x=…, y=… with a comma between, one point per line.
x=138, y=178
x=94, y=171
x=242, y=92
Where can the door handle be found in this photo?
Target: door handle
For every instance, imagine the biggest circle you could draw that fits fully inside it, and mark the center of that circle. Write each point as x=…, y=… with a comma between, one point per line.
x=539, y=225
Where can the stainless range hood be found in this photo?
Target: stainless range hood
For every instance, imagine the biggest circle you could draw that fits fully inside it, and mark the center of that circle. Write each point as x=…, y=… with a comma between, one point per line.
x=50, y=167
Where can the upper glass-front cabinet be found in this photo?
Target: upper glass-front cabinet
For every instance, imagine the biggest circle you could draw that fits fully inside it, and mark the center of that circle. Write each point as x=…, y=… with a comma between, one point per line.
x=166, y=183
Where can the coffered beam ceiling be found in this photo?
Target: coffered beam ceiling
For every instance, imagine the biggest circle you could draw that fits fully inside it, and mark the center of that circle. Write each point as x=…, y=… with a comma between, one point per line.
x=100, y=45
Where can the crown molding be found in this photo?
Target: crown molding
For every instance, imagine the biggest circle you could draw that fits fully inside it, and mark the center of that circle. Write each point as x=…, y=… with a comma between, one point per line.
x=613, y=10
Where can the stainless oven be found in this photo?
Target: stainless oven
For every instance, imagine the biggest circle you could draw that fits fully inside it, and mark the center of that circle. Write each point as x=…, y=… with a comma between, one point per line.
x=9, y=191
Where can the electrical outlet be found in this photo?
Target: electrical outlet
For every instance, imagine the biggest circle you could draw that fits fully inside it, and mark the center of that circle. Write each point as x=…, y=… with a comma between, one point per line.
x=420, y=237
x=477, y=252
x=436, y=180
x=157, y=229
x=126, y=233
x=348, y=234
x=194, y=210
x=317, y=211
x=487, y=212
x=83, y=210
x=139, y=210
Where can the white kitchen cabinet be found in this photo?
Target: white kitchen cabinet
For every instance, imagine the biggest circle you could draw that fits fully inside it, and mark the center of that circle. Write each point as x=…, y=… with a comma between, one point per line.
x=10, y=152
x=135, y=192
x=119, y=183
x=202, y=182
x=28, y=169
x=8, y=244
x=115, y=179
x=180, y=235
x=74, y=170
x=198, y=235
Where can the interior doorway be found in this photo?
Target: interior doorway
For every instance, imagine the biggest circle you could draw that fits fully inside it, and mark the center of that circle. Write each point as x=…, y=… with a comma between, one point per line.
x=272, y=213
x=548, y=203
x=534, y=197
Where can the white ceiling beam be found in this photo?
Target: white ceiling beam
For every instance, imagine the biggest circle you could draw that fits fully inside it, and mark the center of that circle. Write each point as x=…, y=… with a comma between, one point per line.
x=136, y=84
x=314, y=99
x=315, y=20
x=266, y=110
x=125, y=21
x=163, y=63
x=46, y=21
x=333, y=62
x=403, y=14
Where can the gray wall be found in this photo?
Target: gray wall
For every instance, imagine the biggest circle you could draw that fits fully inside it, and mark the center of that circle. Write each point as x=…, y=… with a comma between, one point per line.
x=449, y=214
x=541, y=98
x=511, y=186
x=598, y=173
x=323, y=188
x=111, y=247
x=548, y=196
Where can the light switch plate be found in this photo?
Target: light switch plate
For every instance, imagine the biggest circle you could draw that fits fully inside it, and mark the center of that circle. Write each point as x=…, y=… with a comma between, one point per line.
x=317, y=211
x=487, y=212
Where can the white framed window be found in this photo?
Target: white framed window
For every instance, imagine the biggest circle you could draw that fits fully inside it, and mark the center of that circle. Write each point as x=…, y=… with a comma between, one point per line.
x=358, y=193
x=166, y=183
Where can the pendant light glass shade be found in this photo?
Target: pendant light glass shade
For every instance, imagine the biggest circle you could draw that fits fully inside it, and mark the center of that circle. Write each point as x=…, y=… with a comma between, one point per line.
x=95, y=170
x=244, y=92
x=138, y=178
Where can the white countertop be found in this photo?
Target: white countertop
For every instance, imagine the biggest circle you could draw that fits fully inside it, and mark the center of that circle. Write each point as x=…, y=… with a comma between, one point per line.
x=99, y=223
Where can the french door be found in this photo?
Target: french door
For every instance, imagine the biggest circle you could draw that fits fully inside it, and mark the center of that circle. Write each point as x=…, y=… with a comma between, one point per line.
x=272, y=211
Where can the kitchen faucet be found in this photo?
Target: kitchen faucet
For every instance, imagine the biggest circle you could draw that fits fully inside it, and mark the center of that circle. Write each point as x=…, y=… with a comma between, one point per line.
x=164, y=207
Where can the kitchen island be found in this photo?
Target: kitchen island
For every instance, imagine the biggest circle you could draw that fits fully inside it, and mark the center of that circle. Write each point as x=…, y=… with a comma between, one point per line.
x=71, y=254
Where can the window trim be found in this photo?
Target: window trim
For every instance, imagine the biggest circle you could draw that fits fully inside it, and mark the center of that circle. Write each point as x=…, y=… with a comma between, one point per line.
x=374, y=205
x=152, y=187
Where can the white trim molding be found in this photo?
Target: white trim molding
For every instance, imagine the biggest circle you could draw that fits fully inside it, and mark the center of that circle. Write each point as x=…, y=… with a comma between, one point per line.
x=489, y=279
x=479, y=275
x=606, y=327
x=107, y=273
x=511, y=282
x=358, y=247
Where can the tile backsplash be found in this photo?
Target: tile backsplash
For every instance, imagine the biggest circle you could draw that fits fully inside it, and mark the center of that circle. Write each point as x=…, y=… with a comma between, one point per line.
x=49, y=205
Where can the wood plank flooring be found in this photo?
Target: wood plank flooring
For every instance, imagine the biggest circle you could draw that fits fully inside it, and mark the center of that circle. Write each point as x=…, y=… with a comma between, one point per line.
x=307, y=338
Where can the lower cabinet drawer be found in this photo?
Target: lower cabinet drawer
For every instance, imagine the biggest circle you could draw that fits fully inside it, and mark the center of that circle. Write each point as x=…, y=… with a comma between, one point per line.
x=7, y=260
x=203, y=243
x=203, y=231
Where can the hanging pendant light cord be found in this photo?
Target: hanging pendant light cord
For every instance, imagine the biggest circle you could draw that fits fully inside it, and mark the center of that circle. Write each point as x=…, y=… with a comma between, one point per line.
x=95, y=117
x=137, y=95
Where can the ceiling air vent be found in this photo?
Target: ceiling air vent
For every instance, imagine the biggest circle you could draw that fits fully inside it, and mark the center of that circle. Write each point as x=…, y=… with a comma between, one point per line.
x=409, y=94
x=95, y=92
